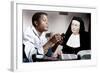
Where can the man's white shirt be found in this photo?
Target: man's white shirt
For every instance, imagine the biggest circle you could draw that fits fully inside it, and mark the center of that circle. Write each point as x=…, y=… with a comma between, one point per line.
x=33, y=43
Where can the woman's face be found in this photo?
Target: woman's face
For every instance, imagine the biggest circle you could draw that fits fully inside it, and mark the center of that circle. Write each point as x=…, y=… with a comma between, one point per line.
x=42, y=23
x=75, y=27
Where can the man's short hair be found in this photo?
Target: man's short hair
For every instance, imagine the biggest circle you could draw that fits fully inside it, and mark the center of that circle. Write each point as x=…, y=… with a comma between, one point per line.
x=36, y=17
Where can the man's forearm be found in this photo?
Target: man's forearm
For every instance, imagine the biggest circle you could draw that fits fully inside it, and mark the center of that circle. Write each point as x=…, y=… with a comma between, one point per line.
x=55, y=47
x=47, y=46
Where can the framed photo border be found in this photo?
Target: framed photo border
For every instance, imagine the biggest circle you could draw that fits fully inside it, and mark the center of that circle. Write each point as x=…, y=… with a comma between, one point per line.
x=16, y=42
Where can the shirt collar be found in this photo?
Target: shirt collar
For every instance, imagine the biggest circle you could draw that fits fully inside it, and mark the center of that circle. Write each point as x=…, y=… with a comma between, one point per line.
x=35, y=31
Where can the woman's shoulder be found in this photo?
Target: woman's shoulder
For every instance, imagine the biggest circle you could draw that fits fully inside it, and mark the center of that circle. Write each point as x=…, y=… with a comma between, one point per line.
x=85, y=34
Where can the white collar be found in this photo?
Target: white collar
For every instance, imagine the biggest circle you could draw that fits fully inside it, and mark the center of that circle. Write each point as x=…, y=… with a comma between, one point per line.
x=36, y=32
x=73, y=41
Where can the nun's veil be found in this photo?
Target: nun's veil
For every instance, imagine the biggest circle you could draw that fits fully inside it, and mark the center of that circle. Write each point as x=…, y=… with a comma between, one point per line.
x=69, y=32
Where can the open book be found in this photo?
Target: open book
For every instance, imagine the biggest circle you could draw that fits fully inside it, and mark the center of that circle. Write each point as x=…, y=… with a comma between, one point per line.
x=84, y=54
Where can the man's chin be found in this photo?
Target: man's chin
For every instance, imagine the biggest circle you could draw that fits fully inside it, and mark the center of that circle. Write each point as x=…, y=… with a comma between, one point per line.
x=46, y=29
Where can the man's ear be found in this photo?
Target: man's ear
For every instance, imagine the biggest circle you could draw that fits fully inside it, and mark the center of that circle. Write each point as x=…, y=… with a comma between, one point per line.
x=35, y=23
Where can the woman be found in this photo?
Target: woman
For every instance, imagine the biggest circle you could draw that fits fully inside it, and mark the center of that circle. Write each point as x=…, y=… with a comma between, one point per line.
x=76, y=38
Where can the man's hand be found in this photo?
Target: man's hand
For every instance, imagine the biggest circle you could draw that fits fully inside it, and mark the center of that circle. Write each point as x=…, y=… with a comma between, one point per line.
x=52, y=41
x=55, y=38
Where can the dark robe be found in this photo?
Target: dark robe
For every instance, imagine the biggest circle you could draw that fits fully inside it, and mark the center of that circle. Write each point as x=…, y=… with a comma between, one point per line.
x=85, y=44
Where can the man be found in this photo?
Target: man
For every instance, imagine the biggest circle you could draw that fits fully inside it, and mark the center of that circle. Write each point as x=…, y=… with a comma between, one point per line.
x=34, y=40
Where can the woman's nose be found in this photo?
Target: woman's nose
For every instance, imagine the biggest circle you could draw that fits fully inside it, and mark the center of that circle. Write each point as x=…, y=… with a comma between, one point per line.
x=46, y=22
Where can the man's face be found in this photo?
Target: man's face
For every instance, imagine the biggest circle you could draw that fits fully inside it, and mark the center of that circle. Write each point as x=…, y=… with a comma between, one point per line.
x=42, y=23
x=75, y=26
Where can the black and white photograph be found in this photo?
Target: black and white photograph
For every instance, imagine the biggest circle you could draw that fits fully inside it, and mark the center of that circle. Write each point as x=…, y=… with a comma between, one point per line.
x=56, y=36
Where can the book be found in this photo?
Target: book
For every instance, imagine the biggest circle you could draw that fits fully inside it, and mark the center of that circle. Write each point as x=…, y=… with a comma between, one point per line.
x=84, y=54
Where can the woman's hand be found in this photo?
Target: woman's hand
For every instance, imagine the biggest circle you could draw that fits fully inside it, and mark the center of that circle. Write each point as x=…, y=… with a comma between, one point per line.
x=57, y=53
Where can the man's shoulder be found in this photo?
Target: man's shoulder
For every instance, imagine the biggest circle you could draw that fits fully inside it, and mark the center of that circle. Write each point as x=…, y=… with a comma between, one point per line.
x=28, y=31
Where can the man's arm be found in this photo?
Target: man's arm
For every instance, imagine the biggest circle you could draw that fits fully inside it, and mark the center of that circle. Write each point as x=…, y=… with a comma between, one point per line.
x=29, y=50
x=53, y=40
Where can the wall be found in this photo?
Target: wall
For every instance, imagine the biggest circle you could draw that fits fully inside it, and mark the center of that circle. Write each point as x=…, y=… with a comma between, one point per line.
x=58, y=23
